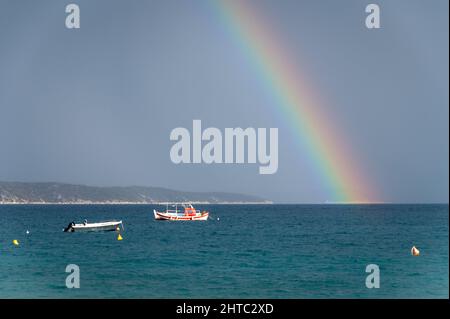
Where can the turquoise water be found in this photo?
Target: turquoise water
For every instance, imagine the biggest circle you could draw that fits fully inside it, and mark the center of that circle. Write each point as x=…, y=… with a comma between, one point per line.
x=252, y=251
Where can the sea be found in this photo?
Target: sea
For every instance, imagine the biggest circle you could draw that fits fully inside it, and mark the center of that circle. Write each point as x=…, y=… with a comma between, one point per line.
x=242, y=251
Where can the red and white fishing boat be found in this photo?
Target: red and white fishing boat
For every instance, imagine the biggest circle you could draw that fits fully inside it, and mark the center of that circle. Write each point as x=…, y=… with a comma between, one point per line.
x=187, y=212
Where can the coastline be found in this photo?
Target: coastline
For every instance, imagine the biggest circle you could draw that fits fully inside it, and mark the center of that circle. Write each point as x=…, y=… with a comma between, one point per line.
x=207, y=203
x=135, y=203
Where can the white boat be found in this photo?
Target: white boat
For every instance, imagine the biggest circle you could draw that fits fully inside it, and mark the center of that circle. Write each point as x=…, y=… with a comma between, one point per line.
x=187, y=212
x=101, y=226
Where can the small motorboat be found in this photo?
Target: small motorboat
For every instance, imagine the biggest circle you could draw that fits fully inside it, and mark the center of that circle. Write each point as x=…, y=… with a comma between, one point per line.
x=188, y=212
x=101, y=226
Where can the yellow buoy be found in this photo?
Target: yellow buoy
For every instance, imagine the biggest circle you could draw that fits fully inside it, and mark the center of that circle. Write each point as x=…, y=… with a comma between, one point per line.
x=415, y=251
x=119, y=237
x=16, y=242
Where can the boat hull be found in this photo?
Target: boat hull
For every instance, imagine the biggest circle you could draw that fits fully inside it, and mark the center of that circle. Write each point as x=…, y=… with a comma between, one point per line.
x=106, y=226
x=169, y=216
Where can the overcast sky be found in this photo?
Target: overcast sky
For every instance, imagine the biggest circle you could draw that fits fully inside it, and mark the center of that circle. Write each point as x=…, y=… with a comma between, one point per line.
x=96, y=105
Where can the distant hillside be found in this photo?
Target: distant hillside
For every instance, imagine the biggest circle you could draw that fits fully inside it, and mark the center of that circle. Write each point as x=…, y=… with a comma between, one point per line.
x=17, y=193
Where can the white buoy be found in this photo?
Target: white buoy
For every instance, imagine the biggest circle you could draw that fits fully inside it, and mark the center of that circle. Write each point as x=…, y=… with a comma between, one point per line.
x=28, y=231
x=218, y=218
x=415, y=251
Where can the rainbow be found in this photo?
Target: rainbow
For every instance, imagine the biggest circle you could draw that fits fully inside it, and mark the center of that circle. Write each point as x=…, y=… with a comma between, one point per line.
x=331, y=158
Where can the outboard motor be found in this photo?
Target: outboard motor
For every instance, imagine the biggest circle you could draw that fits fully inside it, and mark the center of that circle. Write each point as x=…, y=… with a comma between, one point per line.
x=69, y=227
